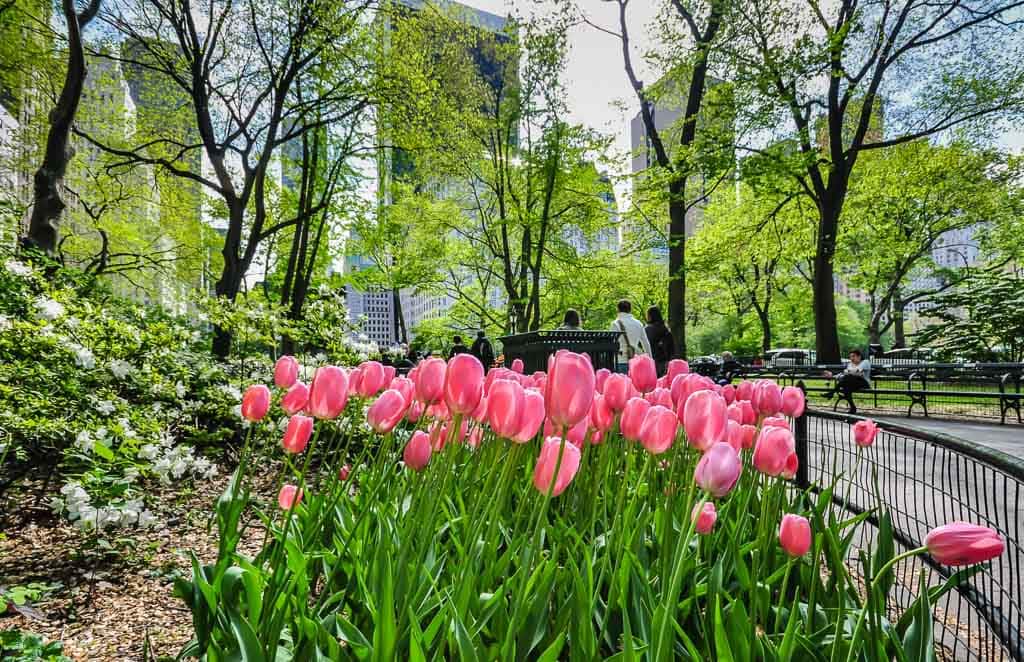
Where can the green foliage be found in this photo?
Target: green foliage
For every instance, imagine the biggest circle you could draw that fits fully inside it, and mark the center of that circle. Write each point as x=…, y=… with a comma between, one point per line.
x=19, y=646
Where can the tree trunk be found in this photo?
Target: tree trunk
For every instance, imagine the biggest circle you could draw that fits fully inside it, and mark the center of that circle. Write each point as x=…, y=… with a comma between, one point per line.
x=47, y=205
x=825, y=326
x=230, y=282
x=677, y=265
x=899, y=334
x=401, y=332
x=766, y=330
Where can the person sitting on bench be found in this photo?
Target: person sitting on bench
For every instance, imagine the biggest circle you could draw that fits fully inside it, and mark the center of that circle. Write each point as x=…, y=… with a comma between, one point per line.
x=856, y=377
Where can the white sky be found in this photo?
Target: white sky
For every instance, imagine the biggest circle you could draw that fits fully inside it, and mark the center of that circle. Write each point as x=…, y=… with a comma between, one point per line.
x=595, y=77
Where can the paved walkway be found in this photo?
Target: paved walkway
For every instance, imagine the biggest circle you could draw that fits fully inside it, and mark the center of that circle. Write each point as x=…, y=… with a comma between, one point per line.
x=1006, y=438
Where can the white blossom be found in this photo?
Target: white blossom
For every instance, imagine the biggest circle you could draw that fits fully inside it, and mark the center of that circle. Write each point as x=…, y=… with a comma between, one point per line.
x=148, y=452
x=180, y=390
x=18, y=268
x=120, y=369
x=84, y=357
x=84, y=441
x=105, y=407
x=48, y=309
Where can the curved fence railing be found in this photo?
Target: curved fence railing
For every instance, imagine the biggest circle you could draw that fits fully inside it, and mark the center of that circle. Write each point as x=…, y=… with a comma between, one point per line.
x=925, y=480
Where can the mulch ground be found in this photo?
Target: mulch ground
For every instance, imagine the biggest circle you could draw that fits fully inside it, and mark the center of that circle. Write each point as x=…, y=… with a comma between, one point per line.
x=114, y=595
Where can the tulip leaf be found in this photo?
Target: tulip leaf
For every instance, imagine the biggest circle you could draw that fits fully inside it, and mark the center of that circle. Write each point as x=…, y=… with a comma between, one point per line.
x=723, y=653
x=550, y=654
x=918, y=643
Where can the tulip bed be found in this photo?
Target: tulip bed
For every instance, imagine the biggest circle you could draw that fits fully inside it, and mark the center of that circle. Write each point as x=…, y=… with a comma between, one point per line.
x=568, y=515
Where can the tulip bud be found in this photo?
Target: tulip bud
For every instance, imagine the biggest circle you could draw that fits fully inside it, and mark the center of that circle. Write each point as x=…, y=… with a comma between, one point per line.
x=718, y=470
x=600, y=378
x=570, y=389
x=775, y=421
x=616, y=391
x=962, y=543
x=601, y=414
x=767, y=398
x=417, y=451
x=774, y=446
x=531, y=418
x=405, y=386
x=658, y=430
x=864, y=432
x=633, y=418
x=675, y=368
x=286, y=371
x=660, y=396
x=386, y=411
x=643, y=373
x=795, y=535
x=255, y=402
x=744, y=390
x=289, y=497
x=372, y=379
x=295, y=399
x=328, y=393
x=793, y=402
x=544, y=475
x=704, y=419
x=505, y=404
x=517, y=366
x=430, y=380
x=704, y=516
x=345, y=472
x=297, y=434
x=464, y=383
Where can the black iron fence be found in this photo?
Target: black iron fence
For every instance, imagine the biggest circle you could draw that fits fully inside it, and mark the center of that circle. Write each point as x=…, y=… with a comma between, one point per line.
x=535, y=347
x=990, y=391
x=926, y=480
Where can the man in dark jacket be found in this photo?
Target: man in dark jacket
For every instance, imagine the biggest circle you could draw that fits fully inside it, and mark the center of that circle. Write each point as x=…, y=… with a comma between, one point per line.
x=482, y=349
x=458, y=347
x=663, y=345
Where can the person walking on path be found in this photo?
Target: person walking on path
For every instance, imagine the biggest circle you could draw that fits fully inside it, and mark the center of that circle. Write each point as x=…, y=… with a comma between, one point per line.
x=482, y=349
x=663, y=345
x=632, y=337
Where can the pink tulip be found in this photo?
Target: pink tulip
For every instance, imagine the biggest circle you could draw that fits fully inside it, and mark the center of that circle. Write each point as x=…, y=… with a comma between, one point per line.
x=795, y=535
x=704, y=516
x=703, y=416
x=676, y=367
x=643, y=373
x=864, y=432
x=345, y=472
x=660, y=396
x=430, y=380
x=962, y=543
x=405, y=386
x=464, y=383
x=531, y=417
x=570, y=389
x=793, y=402
x=439, y=410
x=373, y=379
x=417, y=451
x=729, y=393
x=576, y=435
x=767, y=399
x=289, y=497
x=774, y=446
x=389, y=373
x=295, y=399
x=328, y=393
x=749, y=414
x=792, y=464
x=414, y=412
x=776, y=421
x=355, y=379
x=658, y=430
x=744, y=390
x=686, y=385
x=735, y=412
x=600, y=378
x=286, y=371
x=601, y=414
x=749, y=435
x=255, y=402
x=480, y=412
x=517, y=366
x=544, y=476
x=297, y=434
x=734, y=435
x=505, y=405
x=633, y=418
x=718, y=470
x=386, y=411
x=616, y=391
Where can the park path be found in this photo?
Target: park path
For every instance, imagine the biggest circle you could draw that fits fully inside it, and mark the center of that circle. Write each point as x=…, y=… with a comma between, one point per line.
x=1006, y=438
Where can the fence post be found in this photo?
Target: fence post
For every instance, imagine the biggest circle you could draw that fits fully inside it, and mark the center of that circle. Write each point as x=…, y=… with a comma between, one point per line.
x=800, y=436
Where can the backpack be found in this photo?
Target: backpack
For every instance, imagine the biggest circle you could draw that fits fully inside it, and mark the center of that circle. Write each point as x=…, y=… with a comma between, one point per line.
x=630, y=350
x=485, y=352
